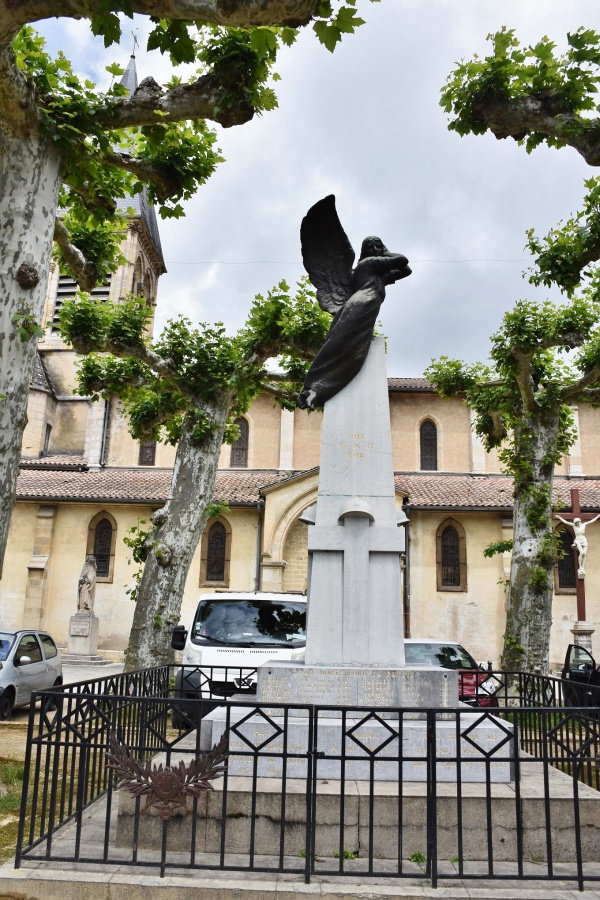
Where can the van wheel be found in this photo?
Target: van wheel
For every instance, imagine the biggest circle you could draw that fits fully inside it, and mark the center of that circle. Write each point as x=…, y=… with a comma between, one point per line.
x=7, y=702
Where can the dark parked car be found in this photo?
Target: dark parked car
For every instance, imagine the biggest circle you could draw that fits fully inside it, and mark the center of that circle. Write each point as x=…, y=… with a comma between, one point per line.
x=476, y=686
x=29, y=661
x=583, y=675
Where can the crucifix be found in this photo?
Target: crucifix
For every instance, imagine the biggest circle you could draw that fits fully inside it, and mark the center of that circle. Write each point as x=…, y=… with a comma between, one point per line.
x=578, y=521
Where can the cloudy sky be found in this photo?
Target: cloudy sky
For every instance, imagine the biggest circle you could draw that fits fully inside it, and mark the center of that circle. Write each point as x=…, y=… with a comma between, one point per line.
x=365, y=124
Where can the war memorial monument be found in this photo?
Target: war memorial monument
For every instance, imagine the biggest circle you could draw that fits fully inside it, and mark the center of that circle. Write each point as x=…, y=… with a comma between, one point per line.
x=355, y=637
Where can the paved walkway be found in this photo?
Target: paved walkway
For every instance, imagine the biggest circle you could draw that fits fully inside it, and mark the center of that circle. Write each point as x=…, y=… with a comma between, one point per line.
x=74, y=674
x=51, y=882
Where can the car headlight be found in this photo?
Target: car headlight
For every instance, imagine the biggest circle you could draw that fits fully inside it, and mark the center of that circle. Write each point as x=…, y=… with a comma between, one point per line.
x=192, y=656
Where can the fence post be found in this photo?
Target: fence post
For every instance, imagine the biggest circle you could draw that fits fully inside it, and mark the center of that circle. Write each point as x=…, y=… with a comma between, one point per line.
x=431, y=866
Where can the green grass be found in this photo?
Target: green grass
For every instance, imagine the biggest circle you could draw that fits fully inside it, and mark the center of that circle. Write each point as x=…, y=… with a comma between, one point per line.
x=11, y=780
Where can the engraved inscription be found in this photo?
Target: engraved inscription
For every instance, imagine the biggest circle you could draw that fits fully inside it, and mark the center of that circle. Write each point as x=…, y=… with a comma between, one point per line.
x=80, y=629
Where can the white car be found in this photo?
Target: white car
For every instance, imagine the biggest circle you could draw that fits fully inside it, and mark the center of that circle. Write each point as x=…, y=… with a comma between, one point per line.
x=29, y=661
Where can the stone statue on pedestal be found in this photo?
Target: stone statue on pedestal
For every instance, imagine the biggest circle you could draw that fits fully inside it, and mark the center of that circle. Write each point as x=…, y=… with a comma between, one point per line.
x=353, y=297
x=86, y=590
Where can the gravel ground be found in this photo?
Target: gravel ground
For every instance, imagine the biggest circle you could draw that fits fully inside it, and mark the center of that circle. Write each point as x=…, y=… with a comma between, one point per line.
x=13, y=734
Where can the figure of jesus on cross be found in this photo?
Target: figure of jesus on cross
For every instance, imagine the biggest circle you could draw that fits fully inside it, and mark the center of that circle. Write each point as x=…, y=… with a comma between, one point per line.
x=578, y=521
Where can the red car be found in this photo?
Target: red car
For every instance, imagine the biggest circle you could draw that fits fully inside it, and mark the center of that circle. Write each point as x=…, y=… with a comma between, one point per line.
x=476, y=686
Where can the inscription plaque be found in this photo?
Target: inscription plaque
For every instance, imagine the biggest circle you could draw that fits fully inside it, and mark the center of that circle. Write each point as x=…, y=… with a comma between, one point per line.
x=79, y=629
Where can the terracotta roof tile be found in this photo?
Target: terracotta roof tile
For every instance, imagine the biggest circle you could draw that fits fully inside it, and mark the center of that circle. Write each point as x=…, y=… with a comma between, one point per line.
x=59, y=461
x=443, y=490
x=121, y=485
x=432, y=490
x=410, y=384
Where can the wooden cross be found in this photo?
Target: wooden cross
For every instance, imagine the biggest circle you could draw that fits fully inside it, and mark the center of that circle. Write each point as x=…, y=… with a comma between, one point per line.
x=585, y=517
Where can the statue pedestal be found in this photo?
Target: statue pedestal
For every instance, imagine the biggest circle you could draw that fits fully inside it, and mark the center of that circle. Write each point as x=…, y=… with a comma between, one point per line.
x=83, y=634
x=582, y=635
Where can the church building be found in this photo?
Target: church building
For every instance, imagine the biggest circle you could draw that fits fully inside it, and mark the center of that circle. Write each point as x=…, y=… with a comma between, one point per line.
x=84, y=483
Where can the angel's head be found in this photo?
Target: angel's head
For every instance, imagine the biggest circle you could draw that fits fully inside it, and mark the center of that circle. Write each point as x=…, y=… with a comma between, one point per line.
x=372, y=246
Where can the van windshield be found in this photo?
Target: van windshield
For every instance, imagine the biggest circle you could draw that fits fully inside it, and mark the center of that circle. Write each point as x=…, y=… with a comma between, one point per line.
x=251, y=622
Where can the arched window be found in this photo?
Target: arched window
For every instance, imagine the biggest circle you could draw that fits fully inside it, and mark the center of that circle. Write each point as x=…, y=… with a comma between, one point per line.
x=101, y=542
x=566, y=575
x=428, y=439
x=451, y=557
x=215, y=553
x=239, y=449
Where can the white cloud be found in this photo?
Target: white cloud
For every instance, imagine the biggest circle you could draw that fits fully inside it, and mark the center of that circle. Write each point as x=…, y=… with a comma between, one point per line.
x=365, y=123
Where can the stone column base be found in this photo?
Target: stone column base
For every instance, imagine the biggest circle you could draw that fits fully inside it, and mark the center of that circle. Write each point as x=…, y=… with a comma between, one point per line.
x=582, y=635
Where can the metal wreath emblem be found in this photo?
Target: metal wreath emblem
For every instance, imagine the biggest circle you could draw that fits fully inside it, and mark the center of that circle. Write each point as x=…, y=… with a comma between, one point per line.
x=166, y=788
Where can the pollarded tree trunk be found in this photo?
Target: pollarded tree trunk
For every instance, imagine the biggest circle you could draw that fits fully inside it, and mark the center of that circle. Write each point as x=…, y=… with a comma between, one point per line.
x=29, y=185
x=529, y=612
x=179, y=526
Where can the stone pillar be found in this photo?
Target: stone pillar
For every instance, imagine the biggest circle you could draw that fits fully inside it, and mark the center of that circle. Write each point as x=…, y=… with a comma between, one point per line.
x=574, y=459
x=478, y=451
x=507, y=533
x=582, y=635
x=36, y=590
x=286, y=440
x=94, y=434
x=355, y=614
x=272, y=575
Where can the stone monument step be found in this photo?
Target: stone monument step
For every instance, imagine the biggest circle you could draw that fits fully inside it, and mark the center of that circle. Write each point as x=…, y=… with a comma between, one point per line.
x=80, y=659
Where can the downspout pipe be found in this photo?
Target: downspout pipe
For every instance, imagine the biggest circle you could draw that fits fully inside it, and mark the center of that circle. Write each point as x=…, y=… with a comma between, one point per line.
x=407, y=580
x=105, y=423
x=260, y=512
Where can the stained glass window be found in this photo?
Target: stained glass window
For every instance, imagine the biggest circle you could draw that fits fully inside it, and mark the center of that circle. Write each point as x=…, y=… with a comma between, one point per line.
x=567, y=577
x=215, y=559
x=239, y=450
x=450, y=557
x=102, y=547
x=429, y=446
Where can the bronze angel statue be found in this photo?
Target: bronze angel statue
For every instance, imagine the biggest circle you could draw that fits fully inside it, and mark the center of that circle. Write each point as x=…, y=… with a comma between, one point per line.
x=353, y=297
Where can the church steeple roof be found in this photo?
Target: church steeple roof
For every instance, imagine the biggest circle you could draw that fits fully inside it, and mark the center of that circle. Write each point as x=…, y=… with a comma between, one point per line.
x=139, y=202
x=129, y=79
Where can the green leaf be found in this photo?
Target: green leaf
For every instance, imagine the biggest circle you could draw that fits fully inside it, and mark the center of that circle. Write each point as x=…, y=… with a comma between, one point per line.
x=329, y=35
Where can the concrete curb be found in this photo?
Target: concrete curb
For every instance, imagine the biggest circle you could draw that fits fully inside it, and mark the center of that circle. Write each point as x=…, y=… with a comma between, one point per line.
x=48, y=884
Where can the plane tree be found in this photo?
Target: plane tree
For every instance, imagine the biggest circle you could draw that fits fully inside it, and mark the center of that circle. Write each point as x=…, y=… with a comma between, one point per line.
x=66, y=145
x=544, y=358
x=540, y=96
x=537, y=95
x=187, y=388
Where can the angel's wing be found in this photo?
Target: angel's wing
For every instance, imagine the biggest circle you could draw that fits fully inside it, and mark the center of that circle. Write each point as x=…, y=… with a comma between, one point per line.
x=327, y=254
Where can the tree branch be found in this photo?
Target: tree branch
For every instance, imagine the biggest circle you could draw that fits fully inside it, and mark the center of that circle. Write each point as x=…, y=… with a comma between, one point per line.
x=165, y=368
x=523, y=377
x=592, y=395
x=84, y=270
x=498, y=432
x=18, y=116
x=573, y=391
x=231, y=13
x=275, y=391
x=150, y=104
x=164, y=185
x=521, y=116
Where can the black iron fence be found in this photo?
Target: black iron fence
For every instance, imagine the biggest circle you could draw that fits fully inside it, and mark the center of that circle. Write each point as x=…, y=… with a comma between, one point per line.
x=114, y=774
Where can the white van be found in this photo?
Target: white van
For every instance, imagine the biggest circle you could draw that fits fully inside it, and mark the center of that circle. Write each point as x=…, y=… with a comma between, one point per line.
x=234, y=632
